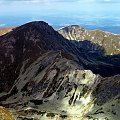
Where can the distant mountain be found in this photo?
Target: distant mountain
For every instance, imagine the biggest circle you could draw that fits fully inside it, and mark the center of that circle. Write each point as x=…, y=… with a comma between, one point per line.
x=109, y=41
x=45, y=76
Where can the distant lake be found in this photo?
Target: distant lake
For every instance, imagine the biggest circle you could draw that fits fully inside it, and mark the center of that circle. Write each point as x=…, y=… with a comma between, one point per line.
x=90, y=14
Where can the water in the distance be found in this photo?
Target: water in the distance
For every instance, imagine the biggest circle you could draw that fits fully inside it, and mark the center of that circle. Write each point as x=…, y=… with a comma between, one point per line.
x=91, y=14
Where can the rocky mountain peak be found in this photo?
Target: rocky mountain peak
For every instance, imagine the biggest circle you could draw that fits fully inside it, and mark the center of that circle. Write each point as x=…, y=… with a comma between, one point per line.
x=109, y=41
x=40, y=26
x=75, y=30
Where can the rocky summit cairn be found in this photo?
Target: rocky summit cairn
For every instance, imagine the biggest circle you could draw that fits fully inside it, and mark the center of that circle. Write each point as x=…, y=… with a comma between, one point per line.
x=44, y=76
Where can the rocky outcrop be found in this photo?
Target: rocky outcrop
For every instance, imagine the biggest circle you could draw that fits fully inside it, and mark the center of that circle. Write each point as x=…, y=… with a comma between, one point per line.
x=52, y=84
x=107, y=95
x=45, y=76
x=54, y=87
x=109, y=41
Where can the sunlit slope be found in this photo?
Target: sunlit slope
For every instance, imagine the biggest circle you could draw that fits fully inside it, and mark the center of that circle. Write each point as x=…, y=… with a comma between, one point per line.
x=5, y=30
x=109, y=41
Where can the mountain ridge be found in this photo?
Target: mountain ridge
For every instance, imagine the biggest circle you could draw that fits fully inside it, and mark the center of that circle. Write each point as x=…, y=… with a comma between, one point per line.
x=109, y=41
x=97, y=36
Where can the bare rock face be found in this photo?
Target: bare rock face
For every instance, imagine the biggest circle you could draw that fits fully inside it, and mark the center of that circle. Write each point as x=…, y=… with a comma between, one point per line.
x=27, y=42
x=54, y=85
x=44, y=76
x=109, y=41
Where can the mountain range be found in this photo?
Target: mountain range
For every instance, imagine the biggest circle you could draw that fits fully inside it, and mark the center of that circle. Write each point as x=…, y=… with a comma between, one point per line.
x=109, y=41
x=71, y=74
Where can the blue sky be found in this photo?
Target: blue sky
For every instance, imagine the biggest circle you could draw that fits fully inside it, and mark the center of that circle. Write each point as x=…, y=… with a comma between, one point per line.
x=58, y=7
x=60, y=12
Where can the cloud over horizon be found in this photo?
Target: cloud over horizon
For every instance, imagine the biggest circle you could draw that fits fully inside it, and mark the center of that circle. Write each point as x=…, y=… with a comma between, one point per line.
x=59, y=12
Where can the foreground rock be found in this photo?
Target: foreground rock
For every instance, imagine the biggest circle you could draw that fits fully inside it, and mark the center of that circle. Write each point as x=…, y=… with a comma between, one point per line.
x=43, y=76
x=52, y=85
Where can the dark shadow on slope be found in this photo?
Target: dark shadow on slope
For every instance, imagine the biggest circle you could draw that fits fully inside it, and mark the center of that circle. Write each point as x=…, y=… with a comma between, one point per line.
x=96, y=60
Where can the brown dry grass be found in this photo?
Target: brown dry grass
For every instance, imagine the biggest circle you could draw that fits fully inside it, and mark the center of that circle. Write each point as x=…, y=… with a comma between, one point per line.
x=5, y=30
x=5, y=114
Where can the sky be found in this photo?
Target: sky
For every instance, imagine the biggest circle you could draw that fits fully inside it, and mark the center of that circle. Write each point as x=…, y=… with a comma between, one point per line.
x=57, y=13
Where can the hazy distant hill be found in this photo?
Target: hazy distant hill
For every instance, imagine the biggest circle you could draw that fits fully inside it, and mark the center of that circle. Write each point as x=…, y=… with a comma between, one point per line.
x=109, y=41
x=5, y=30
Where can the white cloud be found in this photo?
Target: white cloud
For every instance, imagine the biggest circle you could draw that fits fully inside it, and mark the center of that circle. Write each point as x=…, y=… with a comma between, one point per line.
x=107, y=0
